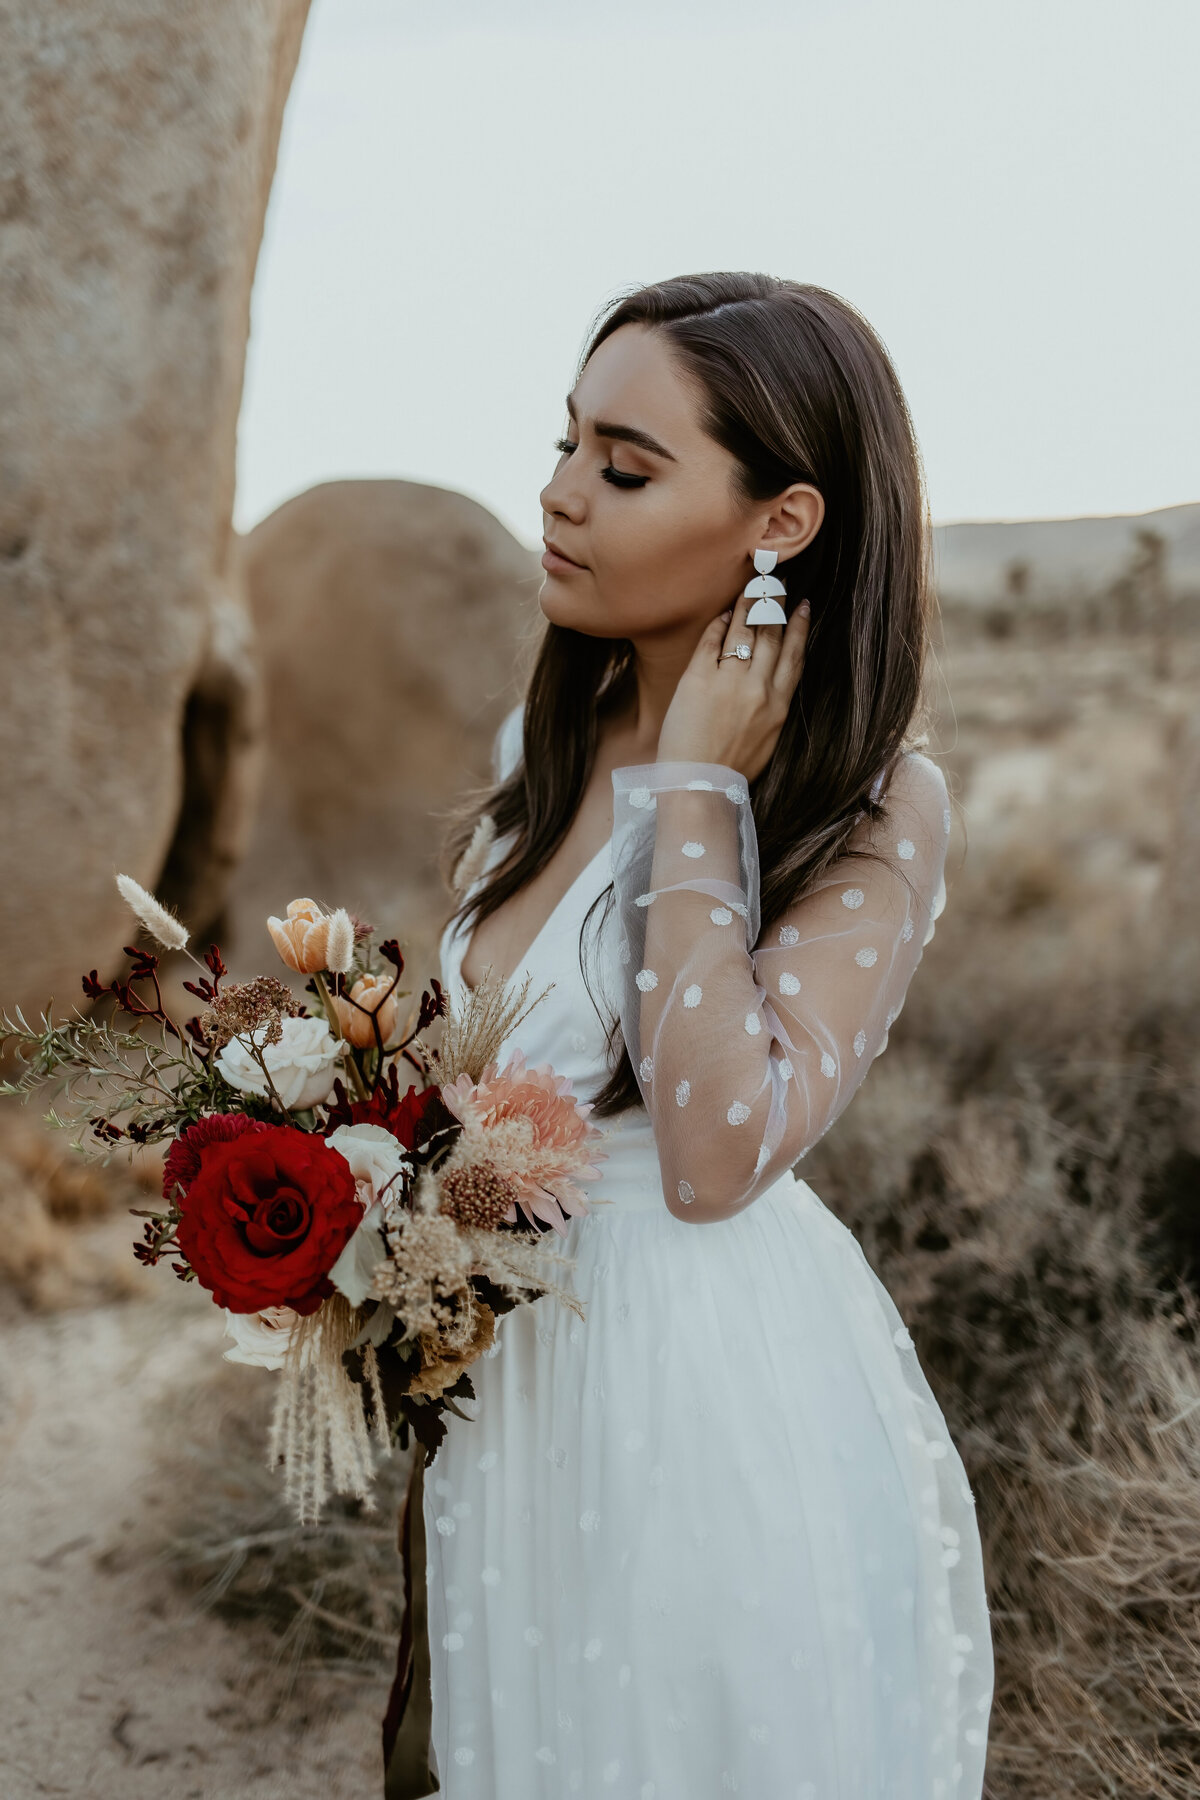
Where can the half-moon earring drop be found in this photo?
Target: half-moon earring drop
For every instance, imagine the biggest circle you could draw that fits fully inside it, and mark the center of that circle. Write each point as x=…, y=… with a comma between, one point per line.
x=763, y=589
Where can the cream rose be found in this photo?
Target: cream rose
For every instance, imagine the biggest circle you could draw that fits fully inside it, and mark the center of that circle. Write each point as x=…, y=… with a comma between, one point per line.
x=260, y=1339
x=376, y=1157
x=378, y=1164
x=303, y=1064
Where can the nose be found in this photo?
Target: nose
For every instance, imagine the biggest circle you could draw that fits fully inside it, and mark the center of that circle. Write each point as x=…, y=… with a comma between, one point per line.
x=561, y=496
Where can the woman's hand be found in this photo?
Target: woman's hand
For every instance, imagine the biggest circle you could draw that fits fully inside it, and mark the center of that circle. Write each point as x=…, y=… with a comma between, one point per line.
x=729, y=711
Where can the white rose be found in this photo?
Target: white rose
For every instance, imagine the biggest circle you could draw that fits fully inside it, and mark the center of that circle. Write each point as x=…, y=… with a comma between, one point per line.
x=260, y=1339
x=377, y=1163
x=303, y=1064
x=376, y=1157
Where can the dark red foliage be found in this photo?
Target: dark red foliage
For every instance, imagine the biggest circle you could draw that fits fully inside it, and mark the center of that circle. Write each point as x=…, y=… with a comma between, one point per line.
x=207, y=990
x=266, y=1217
x=433, y=1005
x=145, y=968
x=412, y=1117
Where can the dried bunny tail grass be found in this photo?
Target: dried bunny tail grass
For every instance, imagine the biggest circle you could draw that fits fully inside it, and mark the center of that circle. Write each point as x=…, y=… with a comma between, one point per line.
x=319, y=1429
x=162, y=925
x=470, y=864
x=472, y=1038
x=339, y=952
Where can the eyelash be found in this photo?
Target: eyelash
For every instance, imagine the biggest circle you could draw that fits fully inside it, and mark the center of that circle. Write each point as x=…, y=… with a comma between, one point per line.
x=609, y=473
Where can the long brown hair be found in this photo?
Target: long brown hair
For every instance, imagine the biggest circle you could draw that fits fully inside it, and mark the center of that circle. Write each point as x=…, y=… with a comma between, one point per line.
x=795, y=384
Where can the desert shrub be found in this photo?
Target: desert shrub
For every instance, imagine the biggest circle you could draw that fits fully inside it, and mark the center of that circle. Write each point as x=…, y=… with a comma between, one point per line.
x=1021, y=1172
x=49, y=1196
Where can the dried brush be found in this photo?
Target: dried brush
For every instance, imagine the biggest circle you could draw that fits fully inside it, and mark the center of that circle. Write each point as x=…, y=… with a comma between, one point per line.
x=473, y=1038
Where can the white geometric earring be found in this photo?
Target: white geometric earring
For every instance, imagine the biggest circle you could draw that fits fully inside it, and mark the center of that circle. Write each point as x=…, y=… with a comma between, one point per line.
x=762, y=589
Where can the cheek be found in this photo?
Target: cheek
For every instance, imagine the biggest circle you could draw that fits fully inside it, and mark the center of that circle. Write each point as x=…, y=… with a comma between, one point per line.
x=654, y=567
x=673, y=568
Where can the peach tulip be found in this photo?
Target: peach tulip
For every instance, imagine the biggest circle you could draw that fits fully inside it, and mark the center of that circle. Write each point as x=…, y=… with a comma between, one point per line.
x=371, y=994
x=302, y=939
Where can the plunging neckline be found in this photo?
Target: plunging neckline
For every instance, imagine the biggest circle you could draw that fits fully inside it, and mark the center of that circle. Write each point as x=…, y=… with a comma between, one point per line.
x=523, y=959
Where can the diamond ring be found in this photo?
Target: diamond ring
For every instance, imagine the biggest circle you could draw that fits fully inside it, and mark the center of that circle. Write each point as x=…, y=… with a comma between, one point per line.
x=743, y=652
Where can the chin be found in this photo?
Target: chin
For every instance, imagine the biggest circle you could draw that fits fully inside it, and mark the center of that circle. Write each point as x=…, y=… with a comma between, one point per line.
x=573, y=611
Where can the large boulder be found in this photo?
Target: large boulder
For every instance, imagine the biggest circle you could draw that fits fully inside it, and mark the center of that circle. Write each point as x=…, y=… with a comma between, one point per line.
x=388, y=616
x=137, y=147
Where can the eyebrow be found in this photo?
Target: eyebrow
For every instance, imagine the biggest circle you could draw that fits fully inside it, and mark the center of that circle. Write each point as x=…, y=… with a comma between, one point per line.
x=625, y=434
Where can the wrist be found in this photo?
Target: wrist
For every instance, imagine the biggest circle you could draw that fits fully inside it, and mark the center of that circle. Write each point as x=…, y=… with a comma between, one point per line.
x=680, y=774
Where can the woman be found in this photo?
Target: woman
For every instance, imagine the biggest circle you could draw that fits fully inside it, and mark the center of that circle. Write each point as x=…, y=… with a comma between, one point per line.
x=716, y=1539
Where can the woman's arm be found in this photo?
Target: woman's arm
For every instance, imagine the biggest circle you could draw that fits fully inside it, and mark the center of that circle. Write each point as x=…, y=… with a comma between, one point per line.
x=747, y=1047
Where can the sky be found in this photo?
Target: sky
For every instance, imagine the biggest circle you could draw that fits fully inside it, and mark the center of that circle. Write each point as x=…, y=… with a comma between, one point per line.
x=1011, y=194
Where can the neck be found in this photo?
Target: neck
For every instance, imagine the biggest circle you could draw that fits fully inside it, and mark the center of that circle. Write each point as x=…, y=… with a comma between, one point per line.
x=658, y=664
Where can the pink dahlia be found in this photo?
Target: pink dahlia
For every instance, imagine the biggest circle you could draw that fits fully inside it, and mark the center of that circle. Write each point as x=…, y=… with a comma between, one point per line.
x=528, y=1124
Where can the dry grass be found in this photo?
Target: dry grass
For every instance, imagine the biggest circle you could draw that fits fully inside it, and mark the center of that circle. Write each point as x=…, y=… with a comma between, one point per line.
x=1023, y=1171
x=49, y=1196
x=330, y=1593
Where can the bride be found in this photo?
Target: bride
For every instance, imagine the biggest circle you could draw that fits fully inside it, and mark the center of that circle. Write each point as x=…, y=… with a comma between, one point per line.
x=716, y=1539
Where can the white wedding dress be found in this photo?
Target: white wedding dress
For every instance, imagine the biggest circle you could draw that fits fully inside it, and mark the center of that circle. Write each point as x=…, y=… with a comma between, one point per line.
x=715, y=1539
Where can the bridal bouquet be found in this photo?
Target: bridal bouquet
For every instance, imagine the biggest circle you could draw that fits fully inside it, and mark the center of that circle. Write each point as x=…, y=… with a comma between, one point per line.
x=361, y=1233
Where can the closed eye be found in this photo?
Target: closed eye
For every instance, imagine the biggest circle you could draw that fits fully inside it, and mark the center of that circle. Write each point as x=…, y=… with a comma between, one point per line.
x=610, y=474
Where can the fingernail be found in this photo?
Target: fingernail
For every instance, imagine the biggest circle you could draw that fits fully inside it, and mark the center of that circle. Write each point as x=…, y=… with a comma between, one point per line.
x=726, y=616
x=804, y=609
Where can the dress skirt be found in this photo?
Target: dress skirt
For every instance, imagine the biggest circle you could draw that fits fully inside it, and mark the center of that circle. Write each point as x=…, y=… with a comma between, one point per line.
x=714, y=1539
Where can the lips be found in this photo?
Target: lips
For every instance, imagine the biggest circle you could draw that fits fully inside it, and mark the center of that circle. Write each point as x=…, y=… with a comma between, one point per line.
x=555, y=551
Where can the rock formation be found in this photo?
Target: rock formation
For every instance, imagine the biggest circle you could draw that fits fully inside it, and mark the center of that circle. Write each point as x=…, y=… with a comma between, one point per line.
x=137, y=146
x=388, y=616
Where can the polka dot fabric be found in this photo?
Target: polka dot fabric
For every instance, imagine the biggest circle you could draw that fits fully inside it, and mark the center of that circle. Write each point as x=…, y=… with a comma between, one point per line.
x=819, y=988
x=714, y=1539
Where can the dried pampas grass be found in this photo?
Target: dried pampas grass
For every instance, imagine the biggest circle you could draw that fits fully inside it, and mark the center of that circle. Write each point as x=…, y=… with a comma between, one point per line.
x=319, y=1429
x=471, y=863
x=474, y=1037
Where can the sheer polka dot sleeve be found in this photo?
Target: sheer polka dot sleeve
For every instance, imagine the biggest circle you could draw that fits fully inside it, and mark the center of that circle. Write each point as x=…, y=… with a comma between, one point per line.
x=747, y=1044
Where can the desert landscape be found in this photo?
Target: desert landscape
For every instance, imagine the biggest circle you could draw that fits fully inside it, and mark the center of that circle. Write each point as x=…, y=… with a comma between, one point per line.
x=1021, y=1169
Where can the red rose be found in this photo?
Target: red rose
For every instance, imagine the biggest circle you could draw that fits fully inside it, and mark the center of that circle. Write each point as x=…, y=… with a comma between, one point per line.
x=183, y=1158
x=265, y=1218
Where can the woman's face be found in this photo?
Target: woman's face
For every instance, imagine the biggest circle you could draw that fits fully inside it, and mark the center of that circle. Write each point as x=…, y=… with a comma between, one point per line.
x=662, y=543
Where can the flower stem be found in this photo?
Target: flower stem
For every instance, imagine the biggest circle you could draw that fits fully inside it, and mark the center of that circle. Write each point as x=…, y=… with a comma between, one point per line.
x=335, y=1026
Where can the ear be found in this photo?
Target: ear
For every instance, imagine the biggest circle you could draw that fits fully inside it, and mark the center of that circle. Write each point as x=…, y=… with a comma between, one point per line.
x=793, y=521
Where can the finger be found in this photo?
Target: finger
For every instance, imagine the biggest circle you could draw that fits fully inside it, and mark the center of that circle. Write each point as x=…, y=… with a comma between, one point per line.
x=790, y=665
x=711, y=640
x=738, y=632
x=768, y=640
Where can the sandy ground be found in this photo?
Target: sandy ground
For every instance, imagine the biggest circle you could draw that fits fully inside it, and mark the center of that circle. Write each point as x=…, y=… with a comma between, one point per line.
x=112, y=1686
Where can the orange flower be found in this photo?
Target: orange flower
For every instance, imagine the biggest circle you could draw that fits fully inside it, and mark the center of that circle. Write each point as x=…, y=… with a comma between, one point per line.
x=302, y=938
x=440, y=1368
x=371, y=994
x=528, y=1125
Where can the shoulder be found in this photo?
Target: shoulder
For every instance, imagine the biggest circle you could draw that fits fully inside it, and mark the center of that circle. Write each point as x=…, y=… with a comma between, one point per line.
x=912, y=831
x=507, y=746
x=919, y=786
